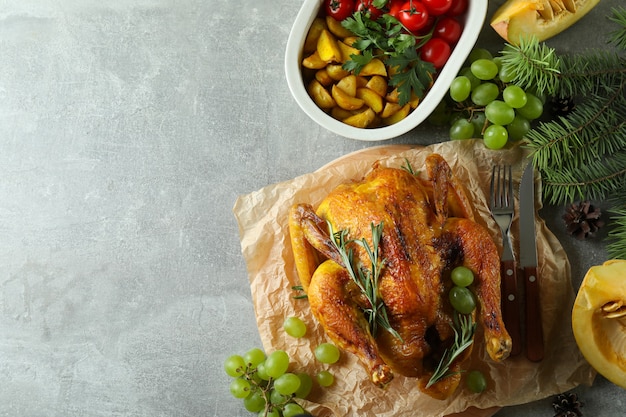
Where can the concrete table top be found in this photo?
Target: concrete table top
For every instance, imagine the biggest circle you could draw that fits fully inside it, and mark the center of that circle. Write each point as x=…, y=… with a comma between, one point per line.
x=128, y=129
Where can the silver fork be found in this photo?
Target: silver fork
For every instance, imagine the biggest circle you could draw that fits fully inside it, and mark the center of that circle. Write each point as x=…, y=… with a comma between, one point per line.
x=502, y=206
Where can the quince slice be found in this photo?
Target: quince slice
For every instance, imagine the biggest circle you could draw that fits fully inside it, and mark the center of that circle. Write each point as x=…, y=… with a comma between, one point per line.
x=599, y=320
x=539, y=18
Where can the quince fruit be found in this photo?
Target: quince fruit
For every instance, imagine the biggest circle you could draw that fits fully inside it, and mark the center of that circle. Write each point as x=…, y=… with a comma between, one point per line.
x=539, y=18
x=599, y=320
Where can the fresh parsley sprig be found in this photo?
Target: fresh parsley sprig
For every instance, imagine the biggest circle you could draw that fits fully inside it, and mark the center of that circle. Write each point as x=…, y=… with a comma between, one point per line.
x=464, y=328
x=366, y=278
x=386, y=38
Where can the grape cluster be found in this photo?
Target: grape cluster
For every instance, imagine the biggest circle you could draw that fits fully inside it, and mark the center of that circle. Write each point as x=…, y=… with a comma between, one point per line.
x=485, y=103
x=264, y=383
x=464, y=302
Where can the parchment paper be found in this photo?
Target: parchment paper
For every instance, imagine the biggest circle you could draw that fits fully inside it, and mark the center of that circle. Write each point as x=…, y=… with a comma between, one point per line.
x=262, y=218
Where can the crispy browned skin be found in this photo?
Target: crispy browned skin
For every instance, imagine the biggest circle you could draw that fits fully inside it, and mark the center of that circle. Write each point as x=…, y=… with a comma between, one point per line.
x=420, y=245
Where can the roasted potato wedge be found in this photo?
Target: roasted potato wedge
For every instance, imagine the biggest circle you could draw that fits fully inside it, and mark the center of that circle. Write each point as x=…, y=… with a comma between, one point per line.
x=328, y=48
x=320, y=95
x=362, y=119
x=371, y=99
x=344, y=100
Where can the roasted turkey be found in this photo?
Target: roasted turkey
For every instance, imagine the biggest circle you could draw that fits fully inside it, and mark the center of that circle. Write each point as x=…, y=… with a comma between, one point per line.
x=428, y=228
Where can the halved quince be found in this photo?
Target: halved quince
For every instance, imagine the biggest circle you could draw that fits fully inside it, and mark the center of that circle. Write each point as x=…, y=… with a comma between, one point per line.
x=599, y=320
x=539, y=18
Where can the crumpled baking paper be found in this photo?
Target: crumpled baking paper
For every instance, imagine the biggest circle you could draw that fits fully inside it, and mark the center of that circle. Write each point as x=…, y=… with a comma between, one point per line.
x=263, y=224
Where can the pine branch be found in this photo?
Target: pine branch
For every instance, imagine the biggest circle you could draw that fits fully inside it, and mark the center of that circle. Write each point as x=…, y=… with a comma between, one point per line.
x=592, y=72
x=618, y=37
x=595, y=128
x=536, y=67
x=617, y=237
x=597, y=180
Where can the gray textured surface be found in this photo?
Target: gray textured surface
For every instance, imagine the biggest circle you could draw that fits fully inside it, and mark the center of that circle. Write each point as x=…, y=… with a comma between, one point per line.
x=128, y=129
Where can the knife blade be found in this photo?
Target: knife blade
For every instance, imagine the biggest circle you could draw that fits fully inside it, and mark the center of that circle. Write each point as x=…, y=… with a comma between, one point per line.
x=528, y=264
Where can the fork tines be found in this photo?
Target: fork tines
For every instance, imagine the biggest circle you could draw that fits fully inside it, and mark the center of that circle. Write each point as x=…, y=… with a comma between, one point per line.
x=501, y=186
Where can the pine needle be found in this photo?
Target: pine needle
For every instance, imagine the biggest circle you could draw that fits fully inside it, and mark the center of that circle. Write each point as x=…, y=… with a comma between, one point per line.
x=618, y=36
x=617, y=237
x=535, y=65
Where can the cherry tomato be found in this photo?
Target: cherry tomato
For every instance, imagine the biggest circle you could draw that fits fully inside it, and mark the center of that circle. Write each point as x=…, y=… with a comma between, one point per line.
x=437, y=7
x=458, y=8
x=368, y=6
x=339, y=9
x=413, y=15
x=449, y=29
x=395, y=6
x=436, y=51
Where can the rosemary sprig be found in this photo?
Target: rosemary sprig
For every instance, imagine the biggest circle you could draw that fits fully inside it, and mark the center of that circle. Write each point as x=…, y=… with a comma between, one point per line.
x=408, y=167
x=365, y=278
x=464, y=328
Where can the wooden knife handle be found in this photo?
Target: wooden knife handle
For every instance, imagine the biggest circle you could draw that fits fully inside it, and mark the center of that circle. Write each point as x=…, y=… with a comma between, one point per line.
x=510, y=304
x=534, y=326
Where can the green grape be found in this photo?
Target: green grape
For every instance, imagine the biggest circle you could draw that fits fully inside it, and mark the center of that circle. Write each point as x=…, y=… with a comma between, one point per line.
x=327, y=353
x=518, y=127
x=462, y=276
x=254, y=357
x=533, y=108
x=462, y=300
x=277, y=363
x=478, y=120
x=499, y=113
x=506, y=73
x=260, y=371
x=498, y=61
x=294, y=327
x=485, y=94
x=467, y=72
x=277, y=398
x=240, y=388
x=287, y=383
x=325, y=378
x=254, y=402
x=292, y=409
x=235, y=365
x=460, y=88
x=274, y=412
x=539, y=94
x=514, y=96
x=476, y=381
x=484, y=69
x=306, y=384
x=495, y=137
x=479, y=53
x=461, y=129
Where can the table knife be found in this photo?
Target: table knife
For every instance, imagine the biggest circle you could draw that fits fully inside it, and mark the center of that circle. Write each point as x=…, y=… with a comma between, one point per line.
x=528, y=264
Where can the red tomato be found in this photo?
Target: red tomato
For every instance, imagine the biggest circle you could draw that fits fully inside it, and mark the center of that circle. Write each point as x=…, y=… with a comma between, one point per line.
x=413, y=15
x=394, y=7
x=437, y=7
x=436, y=51
x=449, y=29
x=367, y=6
x=458, y=8
x=339, y=9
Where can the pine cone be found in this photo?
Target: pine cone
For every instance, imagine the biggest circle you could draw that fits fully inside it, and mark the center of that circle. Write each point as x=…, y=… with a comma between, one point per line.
x=562, y=106
x=567, y=405
x=582, y=220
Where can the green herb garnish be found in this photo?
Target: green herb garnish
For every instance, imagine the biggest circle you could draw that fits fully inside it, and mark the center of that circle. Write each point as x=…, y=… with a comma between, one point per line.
x=464, y=328
x=387, y=39
x=365, y=278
